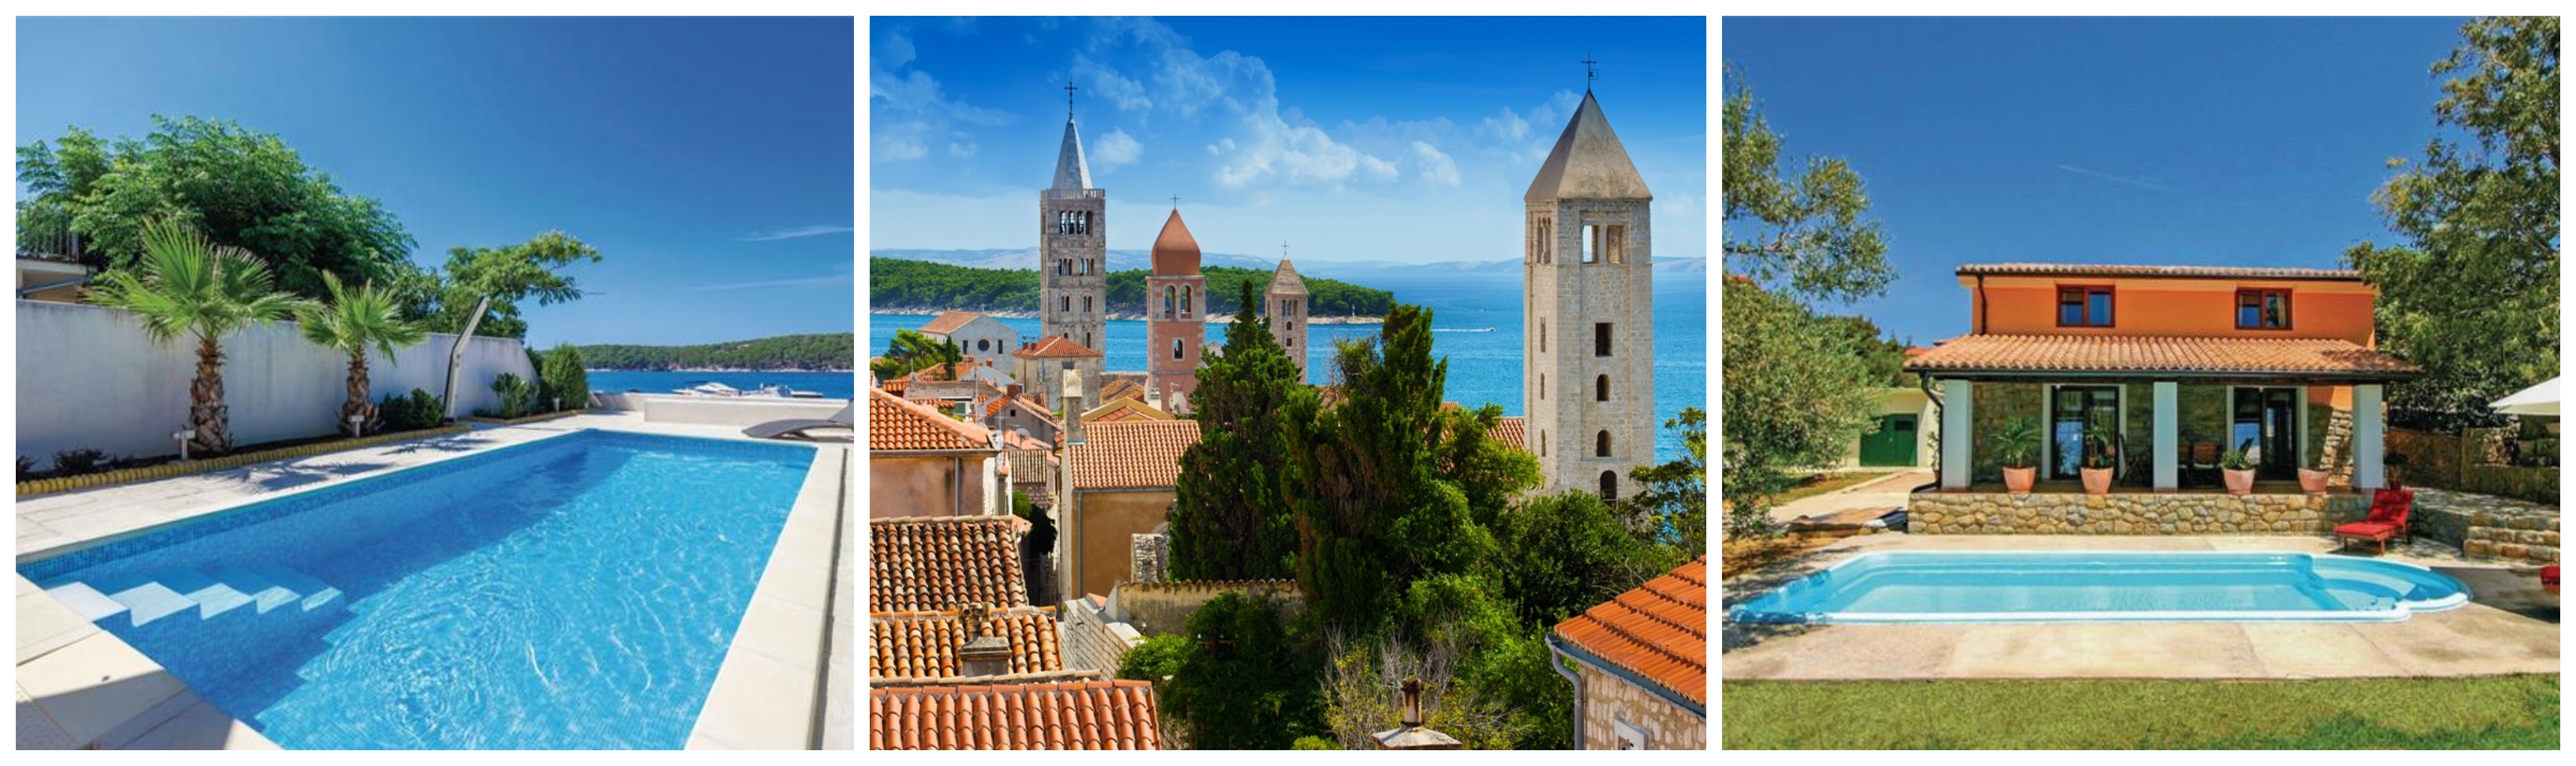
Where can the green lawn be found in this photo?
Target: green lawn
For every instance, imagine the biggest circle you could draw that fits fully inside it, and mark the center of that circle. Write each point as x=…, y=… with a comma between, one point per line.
x=2498, y=712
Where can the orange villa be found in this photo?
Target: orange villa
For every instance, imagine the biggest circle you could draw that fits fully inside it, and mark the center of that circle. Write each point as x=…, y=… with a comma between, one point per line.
x=2176, y=364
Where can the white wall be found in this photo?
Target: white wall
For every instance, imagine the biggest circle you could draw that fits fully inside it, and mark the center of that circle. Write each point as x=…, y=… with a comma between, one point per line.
x=725, y=410
x=87, y=377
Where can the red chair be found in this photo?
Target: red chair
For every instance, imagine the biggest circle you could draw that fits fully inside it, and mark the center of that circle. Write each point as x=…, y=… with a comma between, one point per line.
x=2388, y=510
x=2549, y=578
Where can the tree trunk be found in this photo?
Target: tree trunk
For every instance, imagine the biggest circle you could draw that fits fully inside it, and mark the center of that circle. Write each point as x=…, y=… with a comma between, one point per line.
x=206, y=411
x=358, y=404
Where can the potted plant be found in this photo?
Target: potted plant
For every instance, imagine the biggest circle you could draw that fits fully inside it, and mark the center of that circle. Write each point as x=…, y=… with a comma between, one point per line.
x=2017, y=448
x=2312, y=478
x=2100, y=455
x=2238, y=470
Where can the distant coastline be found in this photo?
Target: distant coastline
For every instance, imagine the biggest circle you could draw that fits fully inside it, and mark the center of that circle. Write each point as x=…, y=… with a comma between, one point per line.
x=1119, y=316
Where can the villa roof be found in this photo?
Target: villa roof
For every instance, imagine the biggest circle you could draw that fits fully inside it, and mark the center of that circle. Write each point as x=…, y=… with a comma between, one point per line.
x=2145, y=355
x=1124, y=409
x=1659, y=631
x=1587, y=162
x=1284, y=280
x=1514, y=430
x=917, y=645
x=948, y=322
x=1176, y=253
x=897, y=424
x=1096, y=715
x=1054, y=345
x=1143, y=454
x=2168, y=272
x=939, y=563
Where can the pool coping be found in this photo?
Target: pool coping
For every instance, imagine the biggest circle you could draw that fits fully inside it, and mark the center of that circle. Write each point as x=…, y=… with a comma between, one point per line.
x=779, y=649
x=1742, y=612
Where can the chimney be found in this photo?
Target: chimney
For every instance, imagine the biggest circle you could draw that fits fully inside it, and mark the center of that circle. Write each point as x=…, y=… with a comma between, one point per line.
x=1011, y=390
x=1072, y=407
x=983, y=654
x=1411, y=735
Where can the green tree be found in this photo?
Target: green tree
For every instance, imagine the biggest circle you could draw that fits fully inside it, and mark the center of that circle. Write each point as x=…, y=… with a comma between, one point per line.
x=1560, y=554
x=1229, y=521
x=350, y=322
x=186, y=285
x=240, y=188
x=566, y=378
x=1797, y=394
x=818, y=351
x=910, y=350
x=1674, y=503
x=1238, y=680
x=1808, y=235
x=531, y=269
x=2473, y=294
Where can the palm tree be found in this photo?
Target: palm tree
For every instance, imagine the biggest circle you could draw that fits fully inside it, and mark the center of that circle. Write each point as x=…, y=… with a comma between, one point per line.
x=188, y=285
x=351, y=322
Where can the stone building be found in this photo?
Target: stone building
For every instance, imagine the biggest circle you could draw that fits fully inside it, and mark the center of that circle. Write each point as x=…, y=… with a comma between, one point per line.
x=1285, y=301
x=1044, y=362
x=975, y=334
x=1073, y=249
x=1639, y=664
x=1588, y=382
x=1125, y=477
x=1175, y=317
x=923, y=463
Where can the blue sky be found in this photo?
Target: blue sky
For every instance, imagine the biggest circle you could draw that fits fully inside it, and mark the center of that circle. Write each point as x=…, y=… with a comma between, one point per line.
x=2167, y=141
x=709, y=160
x=1352, y=139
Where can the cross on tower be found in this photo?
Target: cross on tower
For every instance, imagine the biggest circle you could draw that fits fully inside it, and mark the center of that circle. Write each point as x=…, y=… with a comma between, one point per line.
x=1069, y=88
x=1176, y=202
x=1588, y=74
x=1283, y=250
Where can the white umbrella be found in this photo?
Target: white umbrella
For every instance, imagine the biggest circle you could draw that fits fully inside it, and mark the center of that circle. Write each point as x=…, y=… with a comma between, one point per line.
x=2536, y=400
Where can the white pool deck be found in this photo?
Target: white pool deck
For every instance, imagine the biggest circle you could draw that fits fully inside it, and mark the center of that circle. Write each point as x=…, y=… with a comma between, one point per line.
x=82, y=687
x=2508, y=627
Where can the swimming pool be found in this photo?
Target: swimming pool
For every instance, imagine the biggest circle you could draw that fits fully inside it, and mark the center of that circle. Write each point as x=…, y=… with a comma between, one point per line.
x=575, y=592
x=2103, y=586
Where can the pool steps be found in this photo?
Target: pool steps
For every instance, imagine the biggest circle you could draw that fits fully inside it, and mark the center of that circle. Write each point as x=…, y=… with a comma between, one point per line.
x=261, y=588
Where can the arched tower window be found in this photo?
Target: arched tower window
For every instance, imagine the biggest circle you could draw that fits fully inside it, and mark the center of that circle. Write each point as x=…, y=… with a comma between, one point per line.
x=1601, y=445
x=1601, y=339
x=1542, y=386
x=1167, y=301
x=1542, y=336
x=1176, y=354
x=1601, y=389
x=1187, y=308
x=1068, y=303
x=1542, y=444
x=1609, y=485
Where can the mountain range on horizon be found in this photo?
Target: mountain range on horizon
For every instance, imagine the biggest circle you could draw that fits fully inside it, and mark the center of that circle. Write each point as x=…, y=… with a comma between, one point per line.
x=1348, y=271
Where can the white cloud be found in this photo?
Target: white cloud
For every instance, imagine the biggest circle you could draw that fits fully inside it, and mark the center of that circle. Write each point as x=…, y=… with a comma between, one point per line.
x=797, y=233
x=961, y=151
x=1128, y=95
x=1115, y=148
x=1434, y=166
x=897, y=150
x=1268, y=145
x=896, y=49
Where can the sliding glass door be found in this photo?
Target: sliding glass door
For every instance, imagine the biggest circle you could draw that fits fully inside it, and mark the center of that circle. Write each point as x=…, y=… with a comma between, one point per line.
x=2265, y=425
x=2071, y=408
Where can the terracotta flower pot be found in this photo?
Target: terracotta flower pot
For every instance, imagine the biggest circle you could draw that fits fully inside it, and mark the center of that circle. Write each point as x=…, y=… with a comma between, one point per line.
x=2018, y=480
x=2240, y=482
x=2312, y=481
x=2097, y=481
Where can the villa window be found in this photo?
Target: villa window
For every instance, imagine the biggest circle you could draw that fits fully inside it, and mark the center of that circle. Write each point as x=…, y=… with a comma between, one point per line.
x=2072, y=410
x=1601, y=339
x=2085, y=306
x=2263, y=309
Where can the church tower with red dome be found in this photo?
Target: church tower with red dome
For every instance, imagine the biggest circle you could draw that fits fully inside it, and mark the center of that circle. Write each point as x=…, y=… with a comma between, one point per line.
x=1175, y=316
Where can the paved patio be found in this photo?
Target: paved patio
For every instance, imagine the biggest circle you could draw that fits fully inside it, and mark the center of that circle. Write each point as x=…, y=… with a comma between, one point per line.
x=2509, y=628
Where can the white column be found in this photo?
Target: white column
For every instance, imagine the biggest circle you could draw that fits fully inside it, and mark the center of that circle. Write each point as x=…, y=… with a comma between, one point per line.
x=2168, y=433
x=2368, y=434
x=1957, y=436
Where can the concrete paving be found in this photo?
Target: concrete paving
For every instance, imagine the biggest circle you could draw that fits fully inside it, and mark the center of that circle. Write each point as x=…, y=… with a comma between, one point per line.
x=1868, y=499
x=2510, y=627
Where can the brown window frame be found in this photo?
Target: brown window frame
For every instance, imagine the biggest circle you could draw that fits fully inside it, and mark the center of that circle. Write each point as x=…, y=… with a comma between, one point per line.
x=2289, y=314
x=2058, y=309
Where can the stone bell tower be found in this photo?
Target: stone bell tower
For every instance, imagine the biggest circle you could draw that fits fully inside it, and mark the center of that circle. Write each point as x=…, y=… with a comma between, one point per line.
x=1175, y=316
x=1587, y=379
x=1073, y=247
x=1285, y=301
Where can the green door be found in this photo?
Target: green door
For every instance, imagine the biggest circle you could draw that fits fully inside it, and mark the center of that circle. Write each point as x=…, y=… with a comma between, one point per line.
x=1892, y=444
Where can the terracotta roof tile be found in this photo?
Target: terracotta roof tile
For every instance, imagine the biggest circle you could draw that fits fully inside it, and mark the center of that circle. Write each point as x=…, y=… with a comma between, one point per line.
x=897, y=424
x=1054, y=345
x=1142, y=454
x=1175, y=252
x=1122, y=389
x=948, y=322
x=1025, y=401
x=1658, y=631
x=940, y=563
x=2177, y=272
x=1097, y=715
x=1513, y=430
x=2152, y=354
x=1124, y=409
x=916, y=645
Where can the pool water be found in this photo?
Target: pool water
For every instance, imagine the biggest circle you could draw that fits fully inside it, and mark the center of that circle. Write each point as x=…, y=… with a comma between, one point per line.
x=2101, y=586
x=576, y=592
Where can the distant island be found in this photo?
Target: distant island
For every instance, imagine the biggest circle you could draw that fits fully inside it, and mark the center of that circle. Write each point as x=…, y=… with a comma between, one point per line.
x=897, y=286
x=831, y=352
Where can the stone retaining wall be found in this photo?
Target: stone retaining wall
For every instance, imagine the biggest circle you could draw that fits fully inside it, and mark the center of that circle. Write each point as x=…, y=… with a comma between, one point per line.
x=2000, y=513
x=2488, y=527
x=1092, y=641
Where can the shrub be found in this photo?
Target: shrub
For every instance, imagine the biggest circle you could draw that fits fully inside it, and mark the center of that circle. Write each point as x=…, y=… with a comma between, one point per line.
x=518, y=397
x=26, y=467
x=411, y=413
x=74, y=462
x=565, y=380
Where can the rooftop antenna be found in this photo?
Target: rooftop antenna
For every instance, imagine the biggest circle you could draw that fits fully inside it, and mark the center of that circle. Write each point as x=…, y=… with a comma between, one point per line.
x=1589, y=74
x=1069, y=88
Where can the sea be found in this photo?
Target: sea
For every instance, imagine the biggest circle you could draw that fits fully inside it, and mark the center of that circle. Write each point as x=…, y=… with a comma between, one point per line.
x=831, y=385
x=1475, y=323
